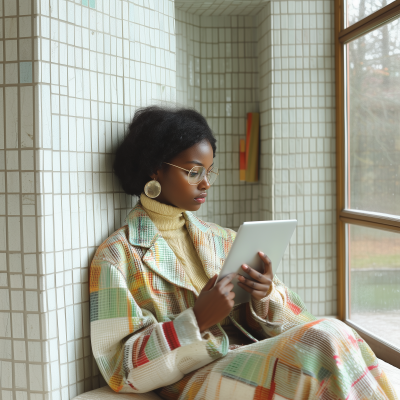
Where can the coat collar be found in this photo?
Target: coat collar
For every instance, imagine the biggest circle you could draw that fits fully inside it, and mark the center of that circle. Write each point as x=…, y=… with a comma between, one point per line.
x=144, y=233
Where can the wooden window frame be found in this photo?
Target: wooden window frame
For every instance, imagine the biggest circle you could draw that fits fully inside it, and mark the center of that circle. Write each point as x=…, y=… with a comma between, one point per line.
x=343, y=35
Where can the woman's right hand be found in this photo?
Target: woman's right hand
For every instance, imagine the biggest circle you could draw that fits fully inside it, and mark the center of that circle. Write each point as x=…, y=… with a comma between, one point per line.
x=214, y=302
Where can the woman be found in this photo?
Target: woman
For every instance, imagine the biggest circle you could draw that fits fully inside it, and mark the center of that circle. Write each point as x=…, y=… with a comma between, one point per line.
x=160, y=321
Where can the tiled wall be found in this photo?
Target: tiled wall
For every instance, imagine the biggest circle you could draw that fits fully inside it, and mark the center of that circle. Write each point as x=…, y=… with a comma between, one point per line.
x=217, y=73
x=221, y=7
x=285, y=56
x=72, y=74
x=298, y=141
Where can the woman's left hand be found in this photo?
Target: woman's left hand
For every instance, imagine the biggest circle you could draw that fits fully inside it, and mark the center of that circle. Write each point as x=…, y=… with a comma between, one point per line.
x=261, y=285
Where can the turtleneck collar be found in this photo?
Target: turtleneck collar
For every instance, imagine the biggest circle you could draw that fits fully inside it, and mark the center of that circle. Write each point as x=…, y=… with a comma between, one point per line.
x=164, y=217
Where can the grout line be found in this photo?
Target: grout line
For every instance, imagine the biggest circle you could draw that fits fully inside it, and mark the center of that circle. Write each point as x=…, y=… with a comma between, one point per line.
x=6, y=216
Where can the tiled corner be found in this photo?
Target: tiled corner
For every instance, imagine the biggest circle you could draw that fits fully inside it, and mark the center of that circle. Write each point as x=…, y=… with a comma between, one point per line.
x=217, y=73
x=284, y=59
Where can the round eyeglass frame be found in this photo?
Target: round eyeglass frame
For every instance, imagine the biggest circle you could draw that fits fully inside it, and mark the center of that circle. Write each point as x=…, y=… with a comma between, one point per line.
x=202, y=175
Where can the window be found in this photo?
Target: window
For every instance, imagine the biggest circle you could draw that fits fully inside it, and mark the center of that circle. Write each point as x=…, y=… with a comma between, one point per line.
x=358, y=10
x=368, y=170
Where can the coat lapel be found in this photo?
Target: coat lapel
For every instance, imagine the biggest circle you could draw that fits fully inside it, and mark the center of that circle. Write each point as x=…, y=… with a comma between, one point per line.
x=204, y=244
x=161, y=259
x=158, y=256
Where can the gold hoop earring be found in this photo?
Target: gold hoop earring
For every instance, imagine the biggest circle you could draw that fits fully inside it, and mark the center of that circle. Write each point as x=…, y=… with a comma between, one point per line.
x=152, y=189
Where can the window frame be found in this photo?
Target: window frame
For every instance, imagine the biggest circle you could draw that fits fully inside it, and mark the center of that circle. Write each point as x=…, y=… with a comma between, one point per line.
x=344, y=216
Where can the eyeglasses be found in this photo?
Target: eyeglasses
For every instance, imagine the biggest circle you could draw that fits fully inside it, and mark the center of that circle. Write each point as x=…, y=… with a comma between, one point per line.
x=197, y=174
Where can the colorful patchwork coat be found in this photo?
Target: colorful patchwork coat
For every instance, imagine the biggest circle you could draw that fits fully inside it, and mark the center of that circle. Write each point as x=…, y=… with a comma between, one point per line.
x=145, y=336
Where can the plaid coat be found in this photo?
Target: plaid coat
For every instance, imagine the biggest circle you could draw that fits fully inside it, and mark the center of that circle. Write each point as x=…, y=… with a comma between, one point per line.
x=144, y=333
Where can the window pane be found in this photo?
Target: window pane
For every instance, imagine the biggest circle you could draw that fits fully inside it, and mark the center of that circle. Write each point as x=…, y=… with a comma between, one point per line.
x=359, y=9
x=373, y=120
x=374, y=281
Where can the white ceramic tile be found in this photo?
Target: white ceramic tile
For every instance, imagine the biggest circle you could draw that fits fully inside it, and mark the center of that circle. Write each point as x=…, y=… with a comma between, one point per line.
x=11, y=51
x=10, y=28
x=25, y=7
x=6, y=349
x=11, y=72
x=25, y=49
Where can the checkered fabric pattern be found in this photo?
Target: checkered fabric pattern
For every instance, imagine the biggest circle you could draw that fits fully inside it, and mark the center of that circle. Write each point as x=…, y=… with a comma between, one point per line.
x=145, y=335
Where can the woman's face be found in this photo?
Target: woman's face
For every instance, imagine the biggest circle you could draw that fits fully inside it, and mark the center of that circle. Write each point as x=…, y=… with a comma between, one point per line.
x=175, y=189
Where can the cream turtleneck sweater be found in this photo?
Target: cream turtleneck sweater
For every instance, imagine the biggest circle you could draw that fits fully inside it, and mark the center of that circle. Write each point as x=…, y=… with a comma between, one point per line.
x=170, y=222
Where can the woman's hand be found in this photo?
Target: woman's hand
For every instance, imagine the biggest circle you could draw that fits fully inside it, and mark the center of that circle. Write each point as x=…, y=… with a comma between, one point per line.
x=263, y=281
x=214, y=302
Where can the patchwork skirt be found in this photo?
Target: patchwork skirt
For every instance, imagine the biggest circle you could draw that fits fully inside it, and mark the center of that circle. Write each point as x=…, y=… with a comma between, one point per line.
x=323, y=359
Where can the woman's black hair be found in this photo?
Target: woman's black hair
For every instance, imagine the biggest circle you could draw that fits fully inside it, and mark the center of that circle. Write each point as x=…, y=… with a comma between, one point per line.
x=157, y=134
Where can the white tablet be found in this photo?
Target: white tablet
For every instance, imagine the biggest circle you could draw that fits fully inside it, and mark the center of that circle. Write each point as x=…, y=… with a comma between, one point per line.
x=270, y=237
